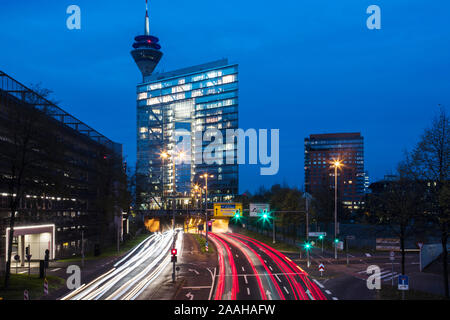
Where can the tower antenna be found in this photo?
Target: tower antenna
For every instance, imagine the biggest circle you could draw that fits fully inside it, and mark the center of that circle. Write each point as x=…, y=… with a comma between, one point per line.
x=147, y=23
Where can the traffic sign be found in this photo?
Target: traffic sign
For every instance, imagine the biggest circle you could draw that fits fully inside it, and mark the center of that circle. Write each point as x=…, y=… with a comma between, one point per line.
x=420, y=245
x=317, y=234
x=45, y=286
x=403, y=282
x=350, y=237
x=392, y=255
x=321, y=268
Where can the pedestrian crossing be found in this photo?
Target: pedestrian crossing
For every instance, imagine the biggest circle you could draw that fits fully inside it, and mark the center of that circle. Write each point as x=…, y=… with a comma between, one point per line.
x=385, y=274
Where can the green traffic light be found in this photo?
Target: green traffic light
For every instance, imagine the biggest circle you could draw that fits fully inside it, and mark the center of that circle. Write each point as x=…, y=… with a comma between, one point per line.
x=336, y=240
x=320, y=237
x=307, y=246
x=265, y=215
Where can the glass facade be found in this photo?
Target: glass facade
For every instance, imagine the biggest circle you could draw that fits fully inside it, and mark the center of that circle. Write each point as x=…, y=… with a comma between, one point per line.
x=172, y=108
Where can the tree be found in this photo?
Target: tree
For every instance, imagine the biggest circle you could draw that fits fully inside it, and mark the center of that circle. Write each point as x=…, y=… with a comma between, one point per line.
x=399, y=205
x=30, y=154
x=429, y=162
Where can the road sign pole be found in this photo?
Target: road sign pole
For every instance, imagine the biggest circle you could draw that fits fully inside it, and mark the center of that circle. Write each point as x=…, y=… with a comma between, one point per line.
x=307, y=255
x=346, y=248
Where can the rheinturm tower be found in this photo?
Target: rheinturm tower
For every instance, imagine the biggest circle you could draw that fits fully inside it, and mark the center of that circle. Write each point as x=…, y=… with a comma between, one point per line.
x=146, y=51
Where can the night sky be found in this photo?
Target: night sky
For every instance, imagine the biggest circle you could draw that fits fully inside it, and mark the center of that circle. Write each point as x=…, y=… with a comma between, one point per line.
x=305, y=66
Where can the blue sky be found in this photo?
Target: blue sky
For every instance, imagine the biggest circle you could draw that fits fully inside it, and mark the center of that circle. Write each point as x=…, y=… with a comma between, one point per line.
x=305, y=66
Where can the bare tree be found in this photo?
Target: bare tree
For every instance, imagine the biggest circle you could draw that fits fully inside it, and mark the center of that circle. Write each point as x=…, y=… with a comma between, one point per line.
x=29, y=154
x=399, y=205
x=429, y=162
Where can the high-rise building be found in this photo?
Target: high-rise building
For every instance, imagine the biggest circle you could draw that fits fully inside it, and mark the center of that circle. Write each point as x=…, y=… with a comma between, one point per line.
x=178, y=104
x=321, y=150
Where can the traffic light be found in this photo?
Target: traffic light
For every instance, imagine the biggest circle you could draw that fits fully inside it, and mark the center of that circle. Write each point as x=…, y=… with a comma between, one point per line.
x=321, y=237
x=237, y=214
x=209, y=226
x=27, y=251
x=307, y=246
x=174, y=255
x=336, y=240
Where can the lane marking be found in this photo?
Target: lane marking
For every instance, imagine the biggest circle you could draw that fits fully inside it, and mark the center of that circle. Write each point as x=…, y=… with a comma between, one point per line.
x=328, y=292
x=245, y=279
x=55, y=269
x=270, y=268
x=276, y=276
x=248, y=291
x=318, y=283
x=285, y=289
x=243, y=269
x=334, y=298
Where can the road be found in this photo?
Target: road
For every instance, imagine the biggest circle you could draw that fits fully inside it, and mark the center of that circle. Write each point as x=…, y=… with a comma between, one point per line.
x=249, y=269
x=132, y=275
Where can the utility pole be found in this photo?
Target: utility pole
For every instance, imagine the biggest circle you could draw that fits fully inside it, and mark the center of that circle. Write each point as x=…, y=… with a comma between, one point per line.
x=336, y=165
x=206, y=176
x=307, y=228
x=82, y=248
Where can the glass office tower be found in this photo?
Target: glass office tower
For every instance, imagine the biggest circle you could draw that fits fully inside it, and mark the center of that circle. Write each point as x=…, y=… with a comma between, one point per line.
x=321, y=150
x=171, y=108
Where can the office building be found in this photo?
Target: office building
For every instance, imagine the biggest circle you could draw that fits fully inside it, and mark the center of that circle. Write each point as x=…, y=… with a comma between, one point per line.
x=61, y=174
x=178, y=104
x=321, y=150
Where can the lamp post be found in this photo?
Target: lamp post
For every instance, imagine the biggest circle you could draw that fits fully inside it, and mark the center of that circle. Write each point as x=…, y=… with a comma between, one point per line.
x=206, y=176
x=336, y=165
x=164, y=155
x=173, y=156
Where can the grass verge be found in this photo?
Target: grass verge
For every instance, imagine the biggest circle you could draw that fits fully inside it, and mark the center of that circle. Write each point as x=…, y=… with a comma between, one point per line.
x=280, y=246
x=392, y=293
x=32, y=283
x=201, y=242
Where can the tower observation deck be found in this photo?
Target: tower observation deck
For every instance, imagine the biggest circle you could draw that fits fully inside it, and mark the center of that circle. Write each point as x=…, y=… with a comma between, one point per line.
x=146, y=53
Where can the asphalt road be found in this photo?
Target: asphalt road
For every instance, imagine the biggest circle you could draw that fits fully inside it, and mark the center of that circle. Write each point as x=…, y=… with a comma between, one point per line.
x=134, y=273
x=249, y=269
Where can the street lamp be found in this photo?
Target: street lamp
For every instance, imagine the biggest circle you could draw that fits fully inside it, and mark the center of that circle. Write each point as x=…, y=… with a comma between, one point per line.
x=164, y=155
x=206, y=176
x=336, y=165
x=173, y=156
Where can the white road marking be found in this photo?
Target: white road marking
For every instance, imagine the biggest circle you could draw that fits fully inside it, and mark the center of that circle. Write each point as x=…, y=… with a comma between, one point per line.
x=55, y=269
x=334, y=298
x=276, y=276
x=245, y=279
x=318, y=283
x=285, y=289
x=248, y=291
x=328, y=292
x=237, y=256
x=368, y=255
x=270, y=268
x=243, y=269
